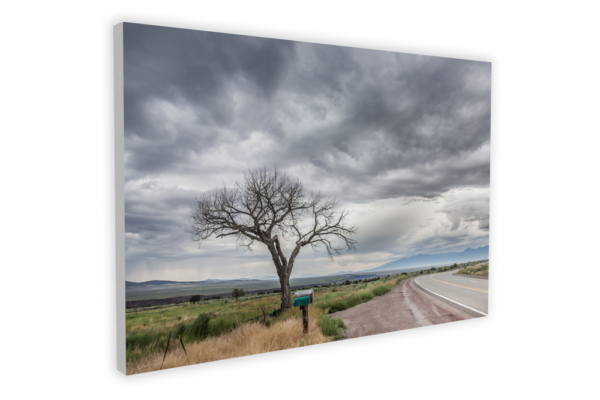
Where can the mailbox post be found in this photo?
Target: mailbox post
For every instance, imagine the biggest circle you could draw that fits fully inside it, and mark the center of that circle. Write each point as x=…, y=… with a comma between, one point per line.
x=302, y=299
x=304, y=320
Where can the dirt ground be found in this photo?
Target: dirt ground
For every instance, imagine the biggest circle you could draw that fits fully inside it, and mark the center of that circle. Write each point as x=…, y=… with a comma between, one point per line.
x=405, y=307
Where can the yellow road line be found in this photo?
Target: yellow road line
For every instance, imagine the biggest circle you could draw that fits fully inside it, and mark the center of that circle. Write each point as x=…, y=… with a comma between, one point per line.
x=453, y=284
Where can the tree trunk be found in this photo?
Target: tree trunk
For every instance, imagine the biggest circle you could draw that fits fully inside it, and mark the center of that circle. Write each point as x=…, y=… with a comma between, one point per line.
x=286, y=295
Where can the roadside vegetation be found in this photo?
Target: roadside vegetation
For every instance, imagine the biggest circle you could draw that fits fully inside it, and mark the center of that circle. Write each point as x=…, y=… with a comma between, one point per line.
x=476, y=269
x=332, y=327
x=220, y=328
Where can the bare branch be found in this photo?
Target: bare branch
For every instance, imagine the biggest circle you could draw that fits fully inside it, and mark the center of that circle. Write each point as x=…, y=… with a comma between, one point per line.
x=268, y=206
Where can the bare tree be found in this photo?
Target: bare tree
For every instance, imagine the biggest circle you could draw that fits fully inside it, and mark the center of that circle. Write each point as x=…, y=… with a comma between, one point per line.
x=268, y=207
x=195, y=298
x=237, y=293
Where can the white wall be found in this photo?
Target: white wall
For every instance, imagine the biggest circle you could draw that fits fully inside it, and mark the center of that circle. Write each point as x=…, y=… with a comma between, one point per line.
x=57, y=226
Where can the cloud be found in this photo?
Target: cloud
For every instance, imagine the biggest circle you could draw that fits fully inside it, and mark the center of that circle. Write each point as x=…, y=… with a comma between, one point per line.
x=365, y=126
x=468, y=206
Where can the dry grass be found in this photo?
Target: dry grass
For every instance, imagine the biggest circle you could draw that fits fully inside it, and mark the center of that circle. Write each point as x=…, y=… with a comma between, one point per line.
x=285, y=331
x=253, y=338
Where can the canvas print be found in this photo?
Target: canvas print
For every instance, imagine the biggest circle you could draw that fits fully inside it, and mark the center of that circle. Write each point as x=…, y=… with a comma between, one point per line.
x=279, y=194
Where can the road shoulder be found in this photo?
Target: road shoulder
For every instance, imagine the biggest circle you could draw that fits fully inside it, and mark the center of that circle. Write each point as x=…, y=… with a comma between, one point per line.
x=404, y=307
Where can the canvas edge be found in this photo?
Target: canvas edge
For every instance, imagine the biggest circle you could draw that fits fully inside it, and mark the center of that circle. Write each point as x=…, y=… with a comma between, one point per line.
x=119, y=120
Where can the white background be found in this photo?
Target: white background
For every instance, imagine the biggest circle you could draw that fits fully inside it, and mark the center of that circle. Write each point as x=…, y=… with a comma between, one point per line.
x=57, y=226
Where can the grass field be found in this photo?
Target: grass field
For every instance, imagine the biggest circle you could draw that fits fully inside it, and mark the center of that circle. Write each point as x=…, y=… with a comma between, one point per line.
x=210, y=289
x=189, y=290
x=225, y=328
x=208, y=329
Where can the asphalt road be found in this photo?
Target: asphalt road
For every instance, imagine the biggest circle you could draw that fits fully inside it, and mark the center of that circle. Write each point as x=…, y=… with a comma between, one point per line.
x=471, y=292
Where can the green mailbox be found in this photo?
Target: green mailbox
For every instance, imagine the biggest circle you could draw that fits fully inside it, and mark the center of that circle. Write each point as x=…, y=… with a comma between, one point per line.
x=308, y=292
x=301, y=301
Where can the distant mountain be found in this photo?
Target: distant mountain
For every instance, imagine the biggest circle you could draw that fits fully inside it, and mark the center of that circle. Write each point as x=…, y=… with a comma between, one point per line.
x=405, y=262
x=156, y=283
x=147, y=283
x=432, y=259
x=266, y=277
x=308, y=275
x=343, y=273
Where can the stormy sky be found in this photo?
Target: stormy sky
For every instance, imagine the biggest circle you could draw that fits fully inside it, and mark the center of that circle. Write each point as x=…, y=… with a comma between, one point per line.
x=401, y=140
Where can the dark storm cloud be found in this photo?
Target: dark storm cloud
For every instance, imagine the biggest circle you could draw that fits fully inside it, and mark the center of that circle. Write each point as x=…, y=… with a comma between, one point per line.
x=411, y=114
x=394, y=110
x=196, y=70
x=361, y=125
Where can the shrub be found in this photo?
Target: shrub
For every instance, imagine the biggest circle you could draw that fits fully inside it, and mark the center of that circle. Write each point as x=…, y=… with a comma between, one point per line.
x=141, y=340
x=195, y=298
x=199, y=330
x=330, y=326
x=276, y=313
x=181, y=330
x=338, y=306
x=218, y=326
x=381, y=290
x=358, y=298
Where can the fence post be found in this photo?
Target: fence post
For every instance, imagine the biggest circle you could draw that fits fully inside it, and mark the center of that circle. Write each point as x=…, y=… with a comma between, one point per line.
x=181, y=340
x=167, y=348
